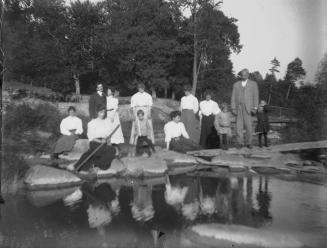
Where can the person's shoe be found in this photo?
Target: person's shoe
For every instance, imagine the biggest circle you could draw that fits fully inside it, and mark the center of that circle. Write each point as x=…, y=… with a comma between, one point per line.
x=249, y=146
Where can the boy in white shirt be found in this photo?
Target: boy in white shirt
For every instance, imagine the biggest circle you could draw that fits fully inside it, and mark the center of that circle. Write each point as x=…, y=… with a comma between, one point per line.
x=176, y=136
x=70, y=128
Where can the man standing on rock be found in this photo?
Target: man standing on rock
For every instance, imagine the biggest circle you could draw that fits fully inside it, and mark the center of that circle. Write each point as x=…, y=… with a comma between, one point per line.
x=245, y=100
x=96, y=100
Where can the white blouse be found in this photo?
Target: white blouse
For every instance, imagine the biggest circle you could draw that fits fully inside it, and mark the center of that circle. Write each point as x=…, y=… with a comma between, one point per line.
x=69, y=123
x=209, y=108
x=98, y=128
x=141, y=99
x=174, y=130
x=190, y=102
x=112, y=103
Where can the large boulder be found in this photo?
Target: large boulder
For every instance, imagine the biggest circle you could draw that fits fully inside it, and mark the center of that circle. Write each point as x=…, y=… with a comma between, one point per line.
x=42, y=177
x=239, y=236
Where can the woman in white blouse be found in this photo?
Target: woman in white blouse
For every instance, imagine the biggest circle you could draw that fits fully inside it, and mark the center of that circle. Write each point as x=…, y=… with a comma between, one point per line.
x=141, y=101
x=208, y=110
x=189, y=109
x=113, y=116
x=176, y=136
x=70, y=128
x=98, y=130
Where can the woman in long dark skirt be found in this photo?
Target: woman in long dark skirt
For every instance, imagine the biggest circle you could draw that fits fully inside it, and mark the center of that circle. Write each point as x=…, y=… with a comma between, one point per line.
x=189, y=110
x=208, y=110
x=97, y=132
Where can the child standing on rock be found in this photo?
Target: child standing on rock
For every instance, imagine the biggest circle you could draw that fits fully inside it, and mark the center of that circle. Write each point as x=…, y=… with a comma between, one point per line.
x=262, y=127
x=223, y=126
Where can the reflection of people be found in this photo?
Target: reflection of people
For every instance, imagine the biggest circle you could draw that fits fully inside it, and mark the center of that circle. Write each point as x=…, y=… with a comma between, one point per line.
x=96, y=100
x=262, y=127
x=142, y=206
x=264, y=199
x=176, y=136
x=189, y=109
x=143, y=134
x=244, y=101
x=98, y=131
x=208, y=110
x=223, y=194
x=113, y=117
x=141, y=101
x=70, y=128
x=207, y=195
x=99, y=200
x=191, y=204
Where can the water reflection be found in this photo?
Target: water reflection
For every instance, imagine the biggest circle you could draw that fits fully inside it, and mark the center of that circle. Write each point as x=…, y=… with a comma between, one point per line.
x=107, y=212
x=190, y=198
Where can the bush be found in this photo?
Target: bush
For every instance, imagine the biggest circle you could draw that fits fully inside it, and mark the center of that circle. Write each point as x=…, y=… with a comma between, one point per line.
x=23, y=117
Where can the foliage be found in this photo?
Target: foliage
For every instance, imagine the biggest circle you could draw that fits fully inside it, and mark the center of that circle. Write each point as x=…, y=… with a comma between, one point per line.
x=119, y=42
x=275, y=66
x=21, y=118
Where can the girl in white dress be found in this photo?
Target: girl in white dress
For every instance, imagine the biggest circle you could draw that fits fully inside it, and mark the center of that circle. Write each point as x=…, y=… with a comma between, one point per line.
x=113, y=116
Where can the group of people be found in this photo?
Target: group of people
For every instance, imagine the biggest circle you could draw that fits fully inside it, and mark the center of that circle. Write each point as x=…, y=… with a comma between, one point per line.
x=181, y=133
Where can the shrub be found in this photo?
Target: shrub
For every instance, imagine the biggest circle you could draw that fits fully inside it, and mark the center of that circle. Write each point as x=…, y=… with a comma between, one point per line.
x=22, y=118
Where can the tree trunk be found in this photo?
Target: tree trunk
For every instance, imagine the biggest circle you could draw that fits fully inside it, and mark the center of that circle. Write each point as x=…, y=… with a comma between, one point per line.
x=154, y=93
x=195, y=48
x=173, y=95
x=270, y=90
x=288, y=91
x=77, y=84
x=165, y=93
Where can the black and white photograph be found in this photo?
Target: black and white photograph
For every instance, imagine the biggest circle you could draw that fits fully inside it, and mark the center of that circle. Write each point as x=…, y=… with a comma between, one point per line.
x=163, y=123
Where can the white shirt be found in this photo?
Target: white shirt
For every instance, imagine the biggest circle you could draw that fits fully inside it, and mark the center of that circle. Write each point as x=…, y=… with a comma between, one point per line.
x=244, y=82
x=141, y=99
x=112, y=103
x=98, y=128
x=190, y=102
x=174, y=130
x=209, y=107
x=69, y=123
x=100, y=93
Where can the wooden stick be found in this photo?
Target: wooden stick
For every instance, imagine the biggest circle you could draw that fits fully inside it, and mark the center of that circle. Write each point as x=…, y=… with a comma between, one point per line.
x=97, y=149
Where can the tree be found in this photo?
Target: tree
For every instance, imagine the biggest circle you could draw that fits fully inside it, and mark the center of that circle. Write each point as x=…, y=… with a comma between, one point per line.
x=321, y=78
x=294, y=73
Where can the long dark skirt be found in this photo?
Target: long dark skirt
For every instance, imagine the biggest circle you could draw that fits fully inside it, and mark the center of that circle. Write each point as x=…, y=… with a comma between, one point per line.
x=191, y=124
x=182, y=145
x=64, y=144
x=207, y=124
x=101, y=159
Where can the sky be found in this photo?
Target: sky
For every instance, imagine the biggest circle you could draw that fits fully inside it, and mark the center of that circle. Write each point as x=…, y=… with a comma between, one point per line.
x=284, y=29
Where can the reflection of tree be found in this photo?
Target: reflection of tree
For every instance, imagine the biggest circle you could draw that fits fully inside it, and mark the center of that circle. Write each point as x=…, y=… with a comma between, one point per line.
x=264, y=199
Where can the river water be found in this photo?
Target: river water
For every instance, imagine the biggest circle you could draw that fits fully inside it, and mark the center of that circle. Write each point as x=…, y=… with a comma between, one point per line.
x=132, y=213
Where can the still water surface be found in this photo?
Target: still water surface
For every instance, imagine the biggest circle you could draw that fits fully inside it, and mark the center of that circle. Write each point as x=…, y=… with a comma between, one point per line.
x=129, y=213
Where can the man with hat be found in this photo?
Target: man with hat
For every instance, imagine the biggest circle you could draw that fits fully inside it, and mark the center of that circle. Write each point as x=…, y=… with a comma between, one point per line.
x=244, y=102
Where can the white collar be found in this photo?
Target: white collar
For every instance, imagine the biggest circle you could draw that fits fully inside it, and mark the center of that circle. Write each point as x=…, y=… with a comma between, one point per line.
x=244, y=82
x=100, y=93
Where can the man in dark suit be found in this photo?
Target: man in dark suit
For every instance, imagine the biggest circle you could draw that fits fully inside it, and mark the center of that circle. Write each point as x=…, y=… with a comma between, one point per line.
x=245, y=100
x=96, y=100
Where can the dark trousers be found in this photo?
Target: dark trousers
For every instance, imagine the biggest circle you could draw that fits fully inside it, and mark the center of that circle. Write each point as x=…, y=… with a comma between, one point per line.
x=183, y=145
x=224, y=141
x=265, y=139
x=101, y=159
x=144, y=144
